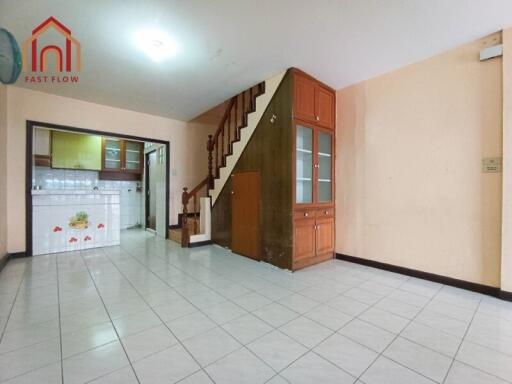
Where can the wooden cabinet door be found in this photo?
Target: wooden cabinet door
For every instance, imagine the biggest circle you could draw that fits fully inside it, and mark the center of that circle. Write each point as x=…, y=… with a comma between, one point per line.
x=325, y=106
x=325, y=235
x=304, y=239
x=304, y=98
x=132, y=156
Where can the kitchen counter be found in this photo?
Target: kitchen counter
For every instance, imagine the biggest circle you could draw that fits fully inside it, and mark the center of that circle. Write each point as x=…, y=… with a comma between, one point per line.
x=74, y=219
x=73, y=192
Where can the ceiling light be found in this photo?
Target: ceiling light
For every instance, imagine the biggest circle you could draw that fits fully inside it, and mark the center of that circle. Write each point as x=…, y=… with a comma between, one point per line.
x=156, y=44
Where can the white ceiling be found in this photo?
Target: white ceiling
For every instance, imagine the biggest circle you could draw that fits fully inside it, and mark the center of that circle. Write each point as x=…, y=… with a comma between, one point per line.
x=228, y=45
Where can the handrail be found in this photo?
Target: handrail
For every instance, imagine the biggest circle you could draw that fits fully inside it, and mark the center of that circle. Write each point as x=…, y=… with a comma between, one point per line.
x=214, y=152
x=185, y=199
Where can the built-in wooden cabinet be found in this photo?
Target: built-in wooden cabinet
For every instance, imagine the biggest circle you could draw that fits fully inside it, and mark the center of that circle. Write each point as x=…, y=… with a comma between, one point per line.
x=314, y=102
x=122, y=156
x=313, y=192
x=292, y=148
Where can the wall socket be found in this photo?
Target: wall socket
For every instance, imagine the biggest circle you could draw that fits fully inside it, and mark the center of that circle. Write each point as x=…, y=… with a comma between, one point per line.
x=491, y=164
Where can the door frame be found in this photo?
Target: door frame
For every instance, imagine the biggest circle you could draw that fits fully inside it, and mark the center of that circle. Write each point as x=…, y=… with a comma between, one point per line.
x=31, y=124
x=146, y=188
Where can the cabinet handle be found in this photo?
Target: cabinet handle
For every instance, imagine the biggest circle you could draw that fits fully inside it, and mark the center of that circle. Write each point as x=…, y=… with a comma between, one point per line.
x=317, y=118
x=326, y=212
x=306, y=214
x=232, y=192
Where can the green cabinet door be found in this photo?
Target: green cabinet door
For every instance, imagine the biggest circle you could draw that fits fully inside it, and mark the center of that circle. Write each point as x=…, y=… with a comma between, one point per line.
x=76, y=151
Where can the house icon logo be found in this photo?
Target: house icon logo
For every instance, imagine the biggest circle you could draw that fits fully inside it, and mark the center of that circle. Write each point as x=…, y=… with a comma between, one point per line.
x=64, y=53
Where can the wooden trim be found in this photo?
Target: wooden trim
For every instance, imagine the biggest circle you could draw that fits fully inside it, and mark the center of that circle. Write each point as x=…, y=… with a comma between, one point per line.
x=304, y=74
x=468, y=285
x=17, y=255
x=4, y=261
x=504, y=295
x=200, y=243
x=42, y=161
x=119, y=175
x=146, y=187
x=30, y=124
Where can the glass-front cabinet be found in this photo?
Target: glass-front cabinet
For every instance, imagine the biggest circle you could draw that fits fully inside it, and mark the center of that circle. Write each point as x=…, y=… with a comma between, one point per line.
x=112, y=155
x=122, y=156
x=132, y=157
x=313, y=166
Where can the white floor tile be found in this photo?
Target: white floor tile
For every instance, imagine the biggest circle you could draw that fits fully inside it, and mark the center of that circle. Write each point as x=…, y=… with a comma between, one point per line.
x=144, y=343
x=121, y=376
x=418, y=358
x=346, y=354
x=313, y=369
x=385, y=371
x=275, y=314
x=307, y=332
x=168, y=366
x=328, y=317
x=277, y=349
x=432, y=338
x=240, y=367
x=485, y=359
x=49, y=374
x=190, y=325
x=210, y=346
x=385, y=320
x=367, y=334
x=464, y=374
x=247, y=328
x=94, y=363
x=87, y=338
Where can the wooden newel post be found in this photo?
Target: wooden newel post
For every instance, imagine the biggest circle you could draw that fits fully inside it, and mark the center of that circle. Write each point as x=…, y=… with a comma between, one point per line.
x=185, y=238
x=209, y=147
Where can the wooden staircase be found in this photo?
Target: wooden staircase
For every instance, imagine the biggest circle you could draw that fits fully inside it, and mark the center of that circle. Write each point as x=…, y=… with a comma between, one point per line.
x=219, y=147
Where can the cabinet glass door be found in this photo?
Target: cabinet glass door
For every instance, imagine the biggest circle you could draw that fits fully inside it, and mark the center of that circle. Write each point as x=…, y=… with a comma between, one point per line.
x=132, y=156
x=324, y=167
x=112, y=154
x=304, y=165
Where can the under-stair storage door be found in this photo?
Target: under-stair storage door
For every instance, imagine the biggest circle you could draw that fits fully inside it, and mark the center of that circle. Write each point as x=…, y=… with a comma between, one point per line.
x=324, y=161
x=245, y=214
x=304, y=165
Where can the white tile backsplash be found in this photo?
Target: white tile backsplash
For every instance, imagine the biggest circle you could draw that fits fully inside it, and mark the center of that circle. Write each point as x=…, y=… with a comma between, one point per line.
x=131, y=201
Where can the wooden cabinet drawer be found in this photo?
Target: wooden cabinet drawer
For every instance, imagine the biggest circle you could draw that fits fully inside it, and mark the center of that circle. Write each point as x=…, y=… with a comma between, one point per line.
x=325, y=212
x=304, y=214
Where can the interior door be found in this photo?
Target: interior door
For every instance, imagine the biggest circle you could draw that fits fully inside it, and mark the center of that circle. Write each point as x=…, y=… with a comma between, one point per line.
x=245, y=214
x=151, y=179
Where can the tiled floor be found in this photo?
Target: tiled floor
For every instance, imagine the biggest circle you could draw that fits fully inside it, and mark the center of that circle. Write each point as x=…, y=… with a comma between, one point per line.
x=151, y=312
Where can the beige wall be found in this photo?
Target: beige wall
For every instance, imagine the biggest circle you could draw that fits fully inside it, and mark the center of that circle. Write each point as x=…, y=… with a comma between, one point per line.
x=187, y=154
x=506, y=259
x=410, y=190
x=3, y=172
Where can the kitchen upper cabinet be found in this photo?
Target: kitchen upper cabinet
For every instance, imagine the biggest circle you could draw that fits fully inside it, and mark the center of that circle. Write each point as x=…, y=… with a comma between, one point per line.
x=122, y=156
x=75, y=151
x=42, y=147
x=314, y=102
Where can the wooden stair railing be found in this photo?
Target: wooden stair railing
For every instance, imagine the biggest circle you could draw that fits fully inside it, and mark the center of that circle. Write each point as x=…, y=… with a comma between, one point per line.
x=219, y=147
x=185, y=199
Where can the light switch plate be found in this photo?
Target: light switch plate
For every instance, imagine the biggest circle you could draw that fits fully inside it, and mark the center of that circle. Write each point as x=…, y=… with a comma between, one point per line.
x=491, y=164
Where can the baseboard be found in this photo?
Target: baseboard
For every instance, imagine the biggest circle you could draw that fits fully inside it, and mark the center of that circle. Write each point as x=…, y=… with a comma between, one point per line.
x=504, y=295
x=200, y=243
x=3, y=261
x=16, y=255
x=470, y=286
